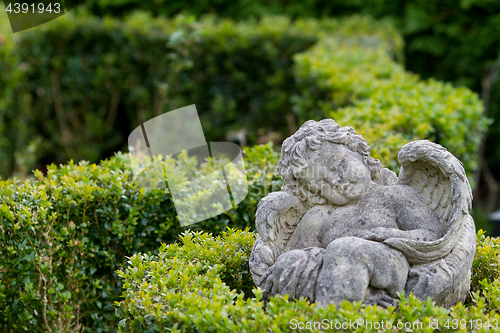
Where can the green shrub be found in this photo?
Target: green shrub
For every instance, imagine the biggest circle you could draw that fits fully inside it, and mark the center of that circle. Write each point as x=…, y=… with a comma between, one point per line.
x=189, y=289
x=486, y=265
x=87, y=82
x=454, y=41
x=64, y=235
x=361, y=86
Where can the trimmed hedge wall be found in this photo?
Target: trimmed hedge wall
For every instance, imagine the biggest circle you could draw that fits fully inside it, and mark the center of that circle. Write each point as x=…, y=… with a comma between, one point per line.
x=84, y=83
x=63, y=236
x=202, y=286
x=360, y=85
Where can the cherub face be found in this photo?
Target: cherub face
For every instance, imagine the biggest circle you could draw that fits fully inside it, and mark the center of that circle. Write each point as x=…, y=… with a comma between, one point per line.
x=336, y=173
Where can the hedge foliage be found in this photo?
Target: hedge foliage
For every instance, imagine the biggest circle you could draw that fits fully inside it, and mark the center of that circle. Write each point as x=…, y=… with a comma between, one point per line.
x=64, y=235
x=454, y=41
x=86, y=82
x=361, y=86
x=201, y=285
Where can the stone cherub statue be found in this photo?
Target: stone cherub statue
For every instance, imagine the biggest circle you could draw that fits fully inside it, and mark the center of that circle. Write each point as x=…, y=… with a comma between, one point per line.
x=342, y=228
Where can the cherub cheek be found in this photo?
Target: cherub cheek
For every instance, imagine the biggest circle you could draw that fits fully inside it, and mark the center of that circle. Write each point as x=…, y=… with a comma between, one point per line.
x=333, y=188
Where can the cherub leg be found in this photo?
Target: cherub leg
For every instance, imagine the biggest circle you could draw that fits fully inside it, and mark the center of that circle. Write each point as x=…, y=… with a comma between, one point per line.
x=296, y=271
x=351, y=264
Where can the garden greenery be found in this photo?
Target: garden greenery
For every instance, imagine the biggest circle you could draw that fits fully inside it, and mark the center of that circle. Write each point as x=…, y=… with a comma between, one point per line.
x=454, y=41
x=64, y=235
x=201, y=285
x=66, y=238
x=364, y=88
x=259, y=78
x=67, y=231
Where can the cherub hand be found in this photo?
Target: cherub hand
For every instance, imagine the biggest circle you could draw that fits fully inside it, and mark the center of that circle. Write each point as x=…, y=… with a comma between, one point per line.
x=429, y=280
x=284, y=201
x=380, y=234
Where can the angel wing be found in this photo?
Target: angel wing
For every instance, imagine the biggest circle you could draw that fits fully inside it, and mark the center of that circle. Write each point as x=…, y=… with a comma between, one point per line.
x=440, y=179
x=277, y=216
x=442, y=267
x=275, y=220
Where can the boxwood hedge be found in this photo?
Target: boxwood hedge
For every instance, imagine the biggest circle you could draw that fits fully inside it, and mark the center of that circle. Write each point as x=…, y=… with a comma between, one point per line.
x=107, y=76
x=201, y=285
x=64, y=235
x=360, y=85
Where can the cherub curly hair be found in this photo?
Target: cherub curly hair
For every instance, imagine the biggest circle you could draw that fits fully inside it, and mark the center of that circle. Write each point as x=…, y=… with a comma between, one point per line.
x=309, y=137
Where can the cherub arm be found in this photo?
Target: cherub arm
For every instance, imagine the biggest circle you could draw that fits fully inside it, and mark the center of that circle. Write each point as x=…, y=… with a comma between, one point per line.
x=415, y=219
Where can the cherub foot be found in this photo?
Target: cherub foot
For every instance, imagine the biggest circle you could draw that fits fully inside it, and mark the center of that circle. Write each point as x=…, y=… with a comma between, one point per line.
x=380, y=298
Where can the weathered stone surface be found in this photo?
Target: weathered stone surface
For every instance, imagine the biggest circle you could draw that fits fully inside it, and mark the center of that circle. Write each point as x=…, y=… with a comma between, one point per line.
x=343, y=228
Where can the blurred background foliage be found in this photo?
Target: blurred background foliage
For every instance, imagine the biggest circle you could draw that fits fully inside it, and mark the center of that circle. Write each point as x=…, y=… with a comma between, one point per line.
x=451, y=40
x=82, y=83
x=95, y=74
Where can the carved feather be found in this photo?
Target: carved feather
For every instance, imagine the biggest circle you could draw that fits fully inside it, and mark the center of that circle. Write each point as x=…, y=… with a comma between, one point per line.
x=440, y=179
x=276, y=218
